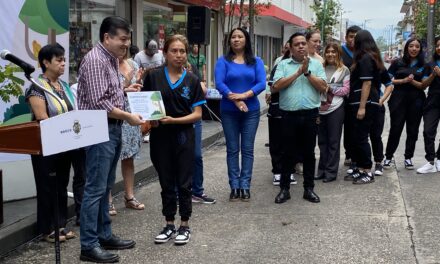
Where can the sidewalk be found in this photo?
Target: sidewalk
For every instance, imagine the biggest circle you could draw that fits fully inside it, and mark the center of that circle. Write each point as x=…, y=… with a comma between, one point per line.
x=394, y=220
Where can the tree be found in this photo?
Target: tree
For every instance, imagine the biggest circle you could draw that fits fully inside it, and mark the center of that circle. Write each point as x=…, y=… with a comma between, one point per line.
x=231, y=9
x=420, y=18
x=156, y=99
x=10, y=85
x=381, y=43
x=327, y=15
x=47, y=17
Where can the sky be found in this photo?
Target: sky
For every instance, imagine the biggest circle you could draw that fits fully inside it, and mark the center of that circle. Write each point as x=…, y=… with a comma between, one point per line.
x=378, y=13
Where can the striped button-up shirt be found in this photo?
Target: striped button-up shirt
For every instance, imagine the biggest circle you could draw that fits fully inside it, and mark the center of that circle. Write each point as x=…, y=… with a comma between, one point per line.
x=99, y=87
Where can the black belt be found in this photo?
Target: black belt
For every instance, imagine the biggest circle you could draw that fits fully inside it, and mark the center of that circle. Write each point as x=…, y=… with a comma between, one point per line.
x=115, y=121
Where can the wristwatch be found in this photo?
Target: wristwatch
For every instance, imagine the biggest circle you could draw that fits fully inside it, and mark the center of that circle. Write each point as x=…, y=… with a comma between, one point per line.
x=307, y=73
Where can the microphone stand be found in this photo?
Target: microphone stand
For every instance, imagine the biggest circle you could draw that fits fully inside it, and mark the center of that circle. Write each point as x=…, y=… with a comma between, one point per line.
x=55, y=178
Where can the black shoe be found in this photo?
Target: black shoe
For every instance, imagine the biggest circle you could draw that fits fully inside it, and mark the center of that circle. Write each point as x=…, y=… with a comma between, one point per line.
x=116, y=243
x=352, y=176
x=235, y=195
x=98, y=255
x=365, y=178
x=321, y=177
x=283, y=196
x=245, y=195
x=310, y=195
x=166, y=234
x=329, y=179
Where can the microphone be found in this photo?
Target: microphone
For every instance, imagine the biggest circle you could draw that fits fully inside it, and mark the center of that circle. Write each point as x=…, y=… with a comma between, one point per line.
x=27, y=68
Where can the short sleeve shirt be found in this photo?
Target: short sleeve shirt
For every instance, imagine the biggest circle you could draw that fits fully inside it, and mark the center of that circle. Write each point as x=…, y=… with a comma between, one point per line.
x=192, y=59
x=400, y=70
x=434, y=88
x=180, y=97
x=366, y=70
x=147, y=62
x=300, y=94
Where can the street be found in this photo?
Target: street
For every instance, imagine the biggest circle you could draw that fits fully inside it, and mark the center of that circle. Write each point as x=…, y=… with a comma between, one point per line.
x=394, y=220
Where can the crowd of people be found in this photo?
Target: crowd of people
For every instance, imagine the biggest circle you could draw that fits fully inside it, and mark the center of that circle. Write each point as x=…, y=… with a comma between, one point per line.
x=312, y=98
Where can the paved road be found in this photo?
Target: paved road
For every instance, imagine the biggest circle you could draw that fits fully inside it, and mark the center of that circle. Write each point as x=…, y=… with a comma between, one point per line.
x=394, y=220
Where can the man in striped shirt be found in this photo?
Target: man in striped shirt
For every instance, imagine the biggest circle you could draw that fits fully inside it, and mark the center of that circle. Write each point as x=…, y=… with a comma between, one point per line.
x=99, y=88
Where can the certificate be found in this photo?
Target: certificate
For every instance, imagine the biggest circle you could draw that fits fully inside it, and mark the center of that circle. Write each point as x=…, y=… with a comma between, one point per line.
x=147, y=104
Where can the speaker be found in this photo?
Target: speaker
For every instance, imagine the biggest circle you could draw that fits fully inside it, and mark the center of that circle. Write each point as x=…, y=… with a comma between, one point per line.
x=199, y=25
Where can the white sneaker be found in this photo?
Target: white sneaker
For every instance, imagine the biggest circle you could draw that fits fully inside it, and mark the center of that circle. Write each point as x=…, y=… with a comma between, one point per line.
x=427, y=168
x=292, y=179
x=276, y=179
x=437, y=165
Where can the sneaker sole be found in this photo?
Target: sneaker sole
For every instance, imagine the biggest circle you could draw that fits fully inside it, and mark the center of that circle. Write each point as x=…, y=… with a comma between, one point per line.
x=426, y=172
x=378, y=173
x=276, y=183
x=293, y=182
x=362, y=182
x=182, y=242
x=409, y=168
x=161, y=241
x=85, y=258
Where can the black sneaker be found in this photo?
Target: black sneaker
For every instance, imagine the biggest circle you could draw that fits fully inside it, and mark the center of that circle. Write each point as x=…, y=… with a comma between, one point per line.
x=378, y=169
x=408, y=164
x=364, y=178
x=352, y=168
x=203, y=199
x=166, y=234
x=387, y=164
x=352, y=176
x=183, y=235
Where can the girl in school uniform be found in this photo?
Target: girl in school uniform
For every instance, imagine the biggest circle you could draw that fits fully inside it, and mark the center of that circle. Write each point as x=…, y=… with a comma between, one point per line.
x=172, y=137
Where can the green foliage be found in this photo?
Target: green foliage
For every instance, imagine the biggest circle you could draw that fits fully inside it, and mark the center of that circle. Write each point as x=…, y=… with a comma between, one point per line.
x=10, y=85
x=381, y=43
x=420, y=18
x=327, y=16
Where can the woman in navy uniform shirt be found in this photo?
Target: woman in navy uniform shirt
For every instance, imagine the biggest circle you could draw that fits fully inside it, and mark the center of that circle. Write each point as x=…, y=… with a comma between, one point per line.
x=364, y=102
x=406, y=102
x=431, y=114
x=172, y=138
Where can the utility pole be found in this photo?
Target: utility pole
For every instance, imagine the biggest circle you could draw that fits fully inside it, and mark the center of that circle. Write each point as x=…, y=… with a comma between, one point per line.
x=251, y=21
x=322, y=22
x=430, y=38
x=365, y=23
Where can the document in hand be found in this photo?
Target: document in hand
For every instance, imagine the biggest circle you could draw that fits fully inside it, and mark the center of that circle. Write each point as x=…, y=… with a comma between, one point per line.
x=147, y=104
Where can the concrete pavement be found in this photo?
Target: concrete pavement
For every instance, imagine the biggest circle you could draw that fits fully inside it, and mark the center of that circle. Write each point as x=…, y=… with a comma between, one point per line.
x=394, y=220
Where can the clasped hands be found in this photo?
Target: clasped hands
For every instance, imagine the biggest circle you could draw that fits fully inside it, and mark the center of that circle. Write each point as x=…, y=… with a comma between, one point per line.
x=238, y=99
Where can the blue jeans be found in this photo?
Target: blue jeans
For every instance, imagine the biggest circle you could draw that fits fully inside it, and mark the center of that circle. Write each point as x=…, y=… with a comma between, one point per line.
x=197, y=179
x=240, y=129
x=101, y=161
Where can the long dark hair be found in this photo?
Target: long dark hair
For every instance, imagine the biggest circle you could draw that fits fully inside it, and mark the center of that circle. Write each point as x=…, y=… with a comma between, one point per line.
x=435, y=56
x=249, y=57
x=420, y=57
x=364, y=44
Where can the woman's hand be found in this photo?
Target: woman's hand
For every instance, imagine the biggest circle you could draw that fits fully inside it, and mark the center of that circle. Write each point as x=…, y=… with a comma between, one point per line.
x=241, y=106
x=140, y=75
x=360, y=113
x=167, y=120
x=240, y=96
x=437, y=70
x=154, y=123
x=135, y=87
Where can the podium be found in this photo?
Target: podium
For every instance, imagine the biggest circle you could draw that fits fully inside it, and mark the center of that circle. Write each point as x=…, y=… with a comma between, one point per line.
x=71, y=130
